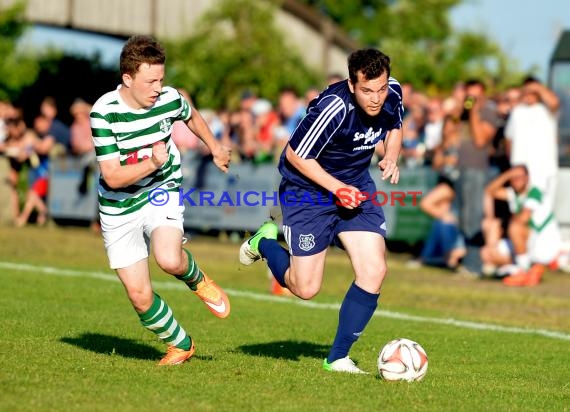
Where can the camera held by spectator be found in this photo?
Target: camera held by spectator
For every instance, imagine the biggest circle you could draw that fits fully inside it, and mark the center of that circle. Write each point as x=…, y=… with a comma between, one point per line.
x=467, y=106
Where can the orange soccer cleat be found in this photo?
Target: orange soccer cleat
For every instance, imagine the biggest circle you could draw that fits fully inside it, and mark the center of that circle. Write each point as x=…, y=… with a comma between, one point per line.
x=176, y=356
x=530, y=278
x=213, y=297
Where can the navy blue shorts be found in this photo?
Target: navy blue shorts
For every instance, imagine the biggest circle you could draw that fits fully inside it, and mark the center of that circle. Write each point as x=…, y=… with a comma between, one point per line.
x=312, y=219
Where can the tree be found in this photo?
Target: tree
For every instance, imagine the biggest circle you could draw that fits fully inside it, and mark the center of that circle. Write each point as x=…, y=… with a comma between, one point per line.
x=236, y=47
x=18, y=69
x=418, y=36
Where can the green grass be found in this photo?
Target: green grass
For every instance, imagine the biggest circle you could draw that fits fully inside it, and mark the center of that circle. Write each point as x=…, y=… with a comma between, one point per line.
x=70, y=340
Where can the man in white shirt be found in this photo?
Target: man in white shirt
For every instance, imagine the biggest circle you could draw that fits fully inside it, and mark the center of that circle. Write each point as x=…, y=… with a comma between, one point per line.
x=532, y=136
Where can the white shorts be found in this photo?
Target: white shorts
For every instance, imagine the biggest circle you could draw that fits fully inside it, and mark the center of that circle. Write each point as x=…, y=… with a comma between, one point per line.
x=127, y=237
x=544, y=246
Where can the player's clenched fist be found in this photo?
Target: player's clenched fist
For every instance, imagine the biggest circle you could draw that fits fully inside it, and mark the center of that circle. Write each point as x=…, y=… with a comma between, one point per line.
x=159, y=154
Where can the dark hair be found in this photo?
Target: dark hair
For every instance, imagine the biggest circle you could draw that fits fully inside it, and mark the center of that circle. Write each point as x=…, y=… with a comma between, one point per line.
x=520, y=166
x=371, y=62
x=139, y=50
x=474, y=82
x=530, y=79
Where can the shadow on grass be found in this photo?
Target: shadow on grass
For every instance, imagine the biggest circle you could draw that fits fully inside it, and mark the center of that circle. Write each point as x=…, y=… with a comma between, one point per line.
x=286, y=349
x=107, y=344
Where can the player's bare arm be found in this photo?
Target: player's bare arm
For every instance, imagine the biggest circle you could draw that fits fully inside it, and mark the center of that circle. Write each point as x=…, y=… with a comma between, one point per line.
x=117, y=175
x=221, y=153
x=389, y=163
x=313, y=170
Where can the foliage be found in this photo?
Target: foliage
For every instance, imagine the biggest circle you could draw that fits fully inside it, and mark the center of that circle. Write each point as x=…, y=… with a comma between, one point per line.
x=18, y=69
x=64, y=76
x=235, y=48
x=418, y=37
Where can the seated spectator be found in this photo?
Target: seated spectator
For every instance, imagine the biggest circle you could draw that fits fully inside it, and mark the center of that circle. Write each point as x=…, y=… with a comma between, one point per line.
x=532, y=229
x=444, y=246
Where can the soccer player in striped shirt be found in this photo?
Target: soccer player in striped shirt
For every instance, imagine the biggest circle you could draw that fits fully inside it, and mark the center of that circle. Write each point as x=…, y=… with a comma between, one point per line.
x=138, y=190
x=329, y=156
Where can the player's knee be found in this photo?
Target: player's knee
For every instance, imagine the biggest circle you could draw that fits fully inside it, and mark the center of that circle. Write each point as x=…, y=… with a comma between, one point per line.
x=140, y=299
x=307, y=292
x=170, y=263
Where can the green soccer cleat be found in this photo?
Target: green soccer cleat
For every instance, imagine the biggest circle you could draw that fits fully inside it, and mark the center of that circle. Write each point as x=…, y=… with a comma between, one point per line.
x=249, y=250
x=342, y=365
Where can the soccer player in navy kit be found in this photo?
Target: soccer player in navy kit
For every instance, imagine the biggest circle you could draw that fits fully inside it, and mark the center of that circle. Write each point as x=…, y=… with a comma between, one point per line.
x=330, y=154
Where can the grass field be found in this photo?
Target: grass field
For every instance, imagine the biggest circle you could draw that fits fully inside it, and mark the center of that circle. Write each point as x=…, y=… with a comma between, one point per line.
x=71, y=342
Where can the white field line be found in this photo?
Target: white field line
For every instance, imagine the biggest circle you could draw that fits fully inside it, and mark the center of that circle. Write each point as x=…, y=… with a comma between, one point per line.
x=292, y=301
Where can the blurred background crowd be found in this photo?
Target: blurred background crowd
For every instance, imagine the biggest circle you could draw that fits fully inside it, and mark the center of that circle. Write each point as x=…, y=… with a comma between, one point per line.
x=468, y=138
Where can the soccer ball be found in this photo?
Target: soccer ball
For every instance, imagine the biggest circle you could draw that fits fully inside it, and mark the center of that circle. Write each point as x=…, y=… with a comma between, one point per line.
x=402, y=360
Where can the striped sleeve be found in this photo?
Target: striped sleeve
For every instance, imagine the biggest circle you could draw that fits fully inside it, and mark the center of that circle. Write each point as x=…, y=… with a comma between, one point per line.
x=395, y=106
x=318, y=126
x=104, y=139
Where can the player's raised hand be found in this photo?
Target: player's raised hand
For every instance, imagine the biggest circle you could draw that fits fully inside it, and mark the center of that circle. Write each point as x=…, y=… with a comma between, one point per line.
x=159, y=154
x=390, y=170
x=222, y=157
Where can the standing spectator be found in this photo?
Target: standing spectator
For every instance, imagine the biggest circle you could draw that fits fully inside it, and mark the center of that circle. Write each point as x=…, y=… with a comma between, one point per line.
x=81, y=142
x=38, y=147
x=330, y=153
x=57, y=129
x=433, y=129
x=140, y=166
x=532, y=135
x=266, y=126
x=479, y=124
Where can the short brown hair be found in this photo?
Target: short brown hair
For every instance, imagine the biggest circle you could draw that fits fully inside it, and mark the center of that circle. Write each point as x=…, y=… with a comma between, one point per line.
x=371, y=62
x=139, y=50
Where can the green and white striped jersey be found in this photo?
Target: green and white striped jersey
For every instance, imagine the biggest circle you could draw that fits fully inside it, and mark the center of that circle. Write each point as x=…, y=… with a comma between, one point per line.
x=541, y=212
x=120, y=131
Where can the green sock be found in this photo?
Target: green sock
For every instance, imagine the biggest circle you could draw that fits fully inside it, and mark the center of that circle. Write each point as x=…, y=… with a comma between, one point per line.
x=193, y=275
x=160, y=321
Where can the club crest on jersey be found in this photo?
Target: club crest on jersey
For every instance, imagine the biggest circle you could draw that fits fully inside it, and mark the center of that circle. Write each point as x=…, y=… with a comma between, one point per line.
x=165, y=125
x=306, y=242
x=369, y=137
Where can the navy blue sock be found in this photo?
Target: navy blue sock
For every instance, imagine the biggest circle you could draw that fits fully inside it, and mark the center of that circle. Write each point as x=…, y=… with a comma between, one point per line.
x=356, y=310
x=277, y=258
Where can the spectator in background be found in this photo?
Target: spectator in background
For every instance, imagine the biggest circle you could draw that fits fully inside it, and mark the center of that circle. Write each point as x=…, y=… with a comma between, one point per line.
x=81, y=143
x=266, y=123
x=532, y=135
x=38, y=146
x=433, y=129
x=333, y=78
x=4, y=110
x=183, y=137
x=82, y=147
x=412, y=145
x=245, y=130
x=15, y=148
x=444, y=246
x=217, y=128
x=310, y=94
x=533, y=229
x=479, y=124
x=57, y=129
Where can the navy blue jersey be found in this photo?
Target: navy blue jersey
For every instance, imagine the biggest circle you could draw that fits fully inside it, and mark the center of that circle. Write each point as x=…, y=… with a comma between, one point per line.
x=340, y=135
